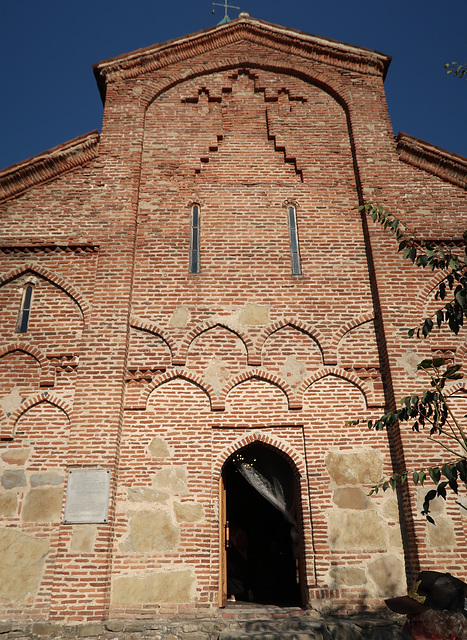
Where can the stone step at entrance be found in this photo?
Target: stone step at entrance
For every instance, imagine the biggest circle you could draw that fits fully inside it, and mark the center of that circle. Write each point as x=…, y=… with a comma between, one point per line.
x=306, y=628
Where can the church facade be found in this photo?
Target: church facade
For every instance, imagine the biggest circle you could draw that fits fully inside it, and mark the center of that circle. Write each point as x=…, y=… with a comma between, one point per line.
x=193, y=310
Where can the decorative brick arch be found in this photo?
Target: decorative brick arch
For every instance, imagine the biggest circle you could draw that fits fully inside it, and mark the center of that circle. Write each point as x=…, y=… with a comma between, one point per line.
x=366, y=392
x=206, y=326
x=173, y=374
x=304, y=327
x=32, y=401
x=283, y=448
x=362, y=318
x=6, y=432
x=458, y=388
x=460, y=352
x=54, y=279
x=258, y=374
x=144, y=325
x=422, y=300
x=47, y=375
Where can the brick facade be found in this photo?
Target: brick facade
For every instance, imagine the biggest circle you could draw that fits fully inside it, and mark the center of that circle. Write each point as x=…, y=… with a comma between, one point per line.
x=133, y=364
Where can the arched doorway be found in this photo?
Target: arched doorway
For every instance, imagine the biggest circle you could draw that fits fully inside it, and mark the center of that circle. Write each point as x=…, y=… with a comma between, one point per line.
x=261, y=545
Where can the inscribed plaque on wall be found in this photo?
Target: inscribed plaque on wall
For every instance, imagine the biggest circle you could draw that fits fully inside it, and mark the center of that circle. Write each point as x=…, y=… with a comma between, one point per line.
x=87, y=496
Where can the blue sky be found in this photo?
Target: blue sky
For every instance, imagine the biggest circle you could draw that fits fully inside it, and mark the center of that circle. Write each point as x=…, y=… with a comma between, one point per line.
x=49, y=95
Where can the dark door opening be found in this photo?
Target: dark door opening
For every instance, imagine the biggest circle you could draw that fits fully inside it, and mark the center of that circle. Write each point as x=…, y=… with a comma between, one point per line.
x=262, y=538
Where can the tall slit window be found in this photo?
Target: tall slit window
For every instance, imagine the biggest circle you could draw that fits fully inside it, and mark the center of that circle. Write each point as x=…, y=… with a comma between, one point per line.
x=293, y=235
x=194, y=242
x=25, y=310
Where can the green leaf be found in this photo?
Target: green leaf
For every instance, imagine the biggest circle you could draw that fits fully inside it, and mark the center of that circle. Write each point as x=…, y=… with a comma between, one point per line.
x=448, y=471
x=427, y=326
x=425, y=364
x=435, y=474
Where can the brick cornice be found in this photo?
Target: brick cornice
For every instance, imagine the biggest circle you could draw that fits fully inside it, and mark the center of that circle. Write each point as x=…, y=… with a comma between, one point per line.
x=287, y=41
x=48, y=165
x=448, y=166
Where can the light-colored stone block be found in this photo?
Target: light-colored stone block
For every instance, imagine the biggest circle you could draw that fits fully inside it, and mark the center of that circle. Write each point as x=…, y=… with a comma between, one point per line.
x=83, y=538
x=12, y=401
x=16, y=456
x=390, y=508
x=21, y=563
x=364, y=467
x=151, y=531
x=350, y=498
x=188, y=512
x=347, y=576
x=395, y=537
x=171, y=479
x=437, y=506
x=216, y=373
x=357, y=530
x=180, y=317
x=8, y=504
x=158, y=448
x=387, y=573
x=43, y=504
x=144, y=494
x=253, y=314
x=441, y=535
x=46, y=477
x=293, y=370
x=171, y=586
x=409, y=362
x=12, y=479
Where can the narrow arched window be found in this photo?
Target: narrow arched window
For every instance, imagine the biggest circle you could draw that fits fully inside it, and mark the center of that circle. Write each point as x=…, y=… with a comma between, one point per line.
x=194, y=242
x=24, y=310
x=293, y=235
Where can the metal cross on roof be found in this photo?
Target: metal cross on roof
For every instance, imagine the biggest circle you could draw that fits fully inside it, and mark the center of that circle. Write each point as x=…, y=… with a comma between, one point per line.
x=226, y=6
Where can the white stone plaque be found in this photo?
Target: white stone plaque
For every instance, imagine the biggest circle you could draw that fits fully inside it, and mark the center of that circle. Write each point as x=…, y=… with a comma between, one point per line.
x=87, y=496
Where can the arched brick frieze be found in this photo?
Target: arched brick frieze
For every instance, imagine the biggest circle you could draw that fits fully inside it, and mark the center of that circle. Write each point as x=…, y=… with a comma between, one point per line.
x=54, y=279
x=47, y=375
x=425, y=294
x=32, y=401
x=366, y=392
x=258, y=374
x=180, y=359
x=362, y=318
x=166, y=377
x=460, y=352
x=144, y=325
x=307, y=328
x=6, y=432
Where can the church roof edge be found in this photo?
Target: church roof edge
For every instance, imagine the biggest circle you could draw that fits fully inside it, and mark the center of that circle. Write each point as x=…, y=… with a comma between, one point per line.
x=47, y=165
x=156, y=56
x=451, y=167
